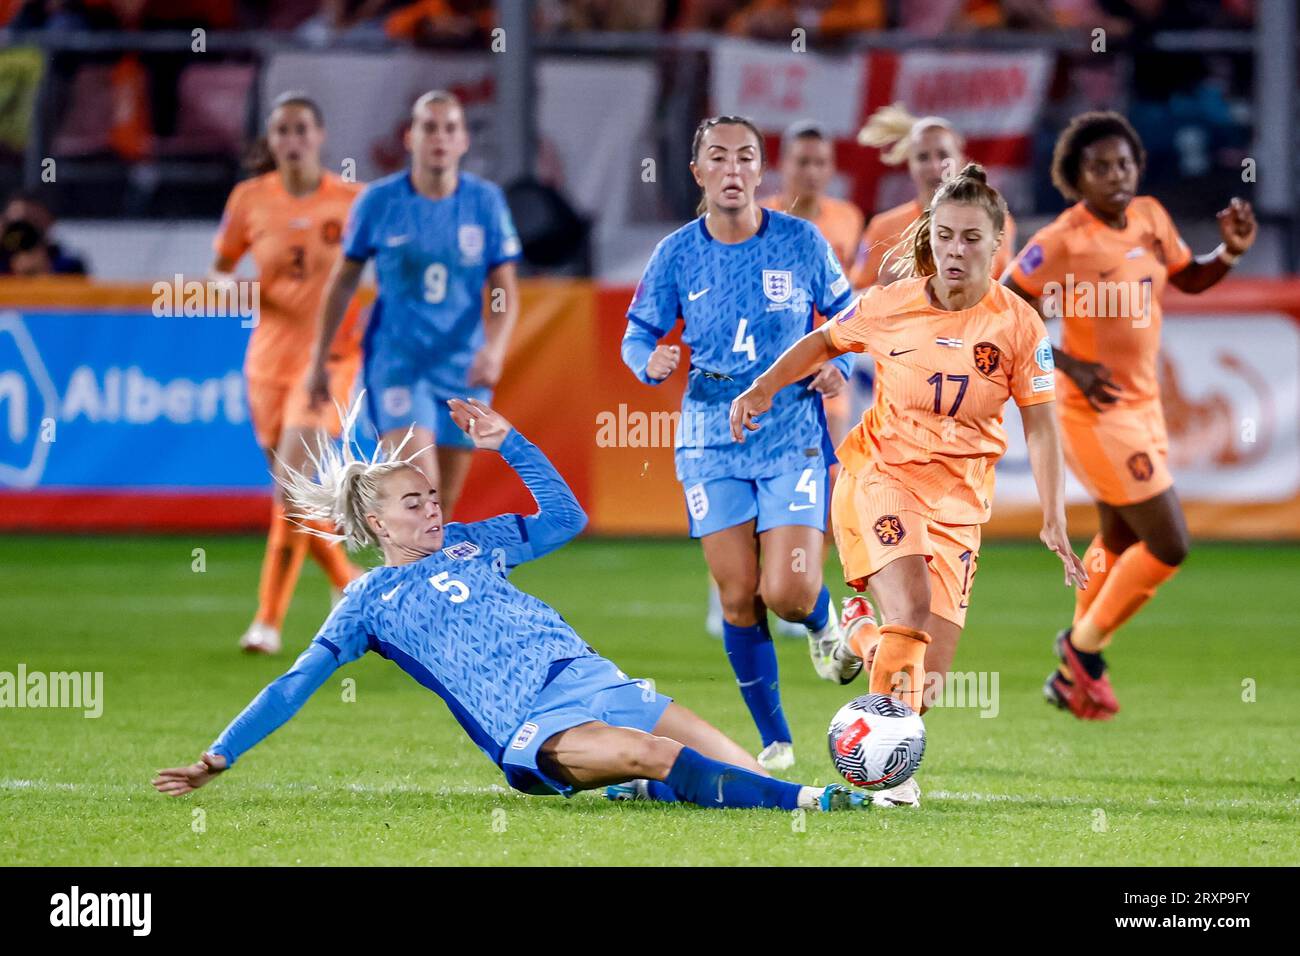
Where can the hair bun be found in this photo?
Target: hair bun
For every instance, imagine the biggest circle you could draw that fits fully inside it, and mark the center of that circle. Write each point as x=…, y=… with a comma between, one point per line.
x=974, y=171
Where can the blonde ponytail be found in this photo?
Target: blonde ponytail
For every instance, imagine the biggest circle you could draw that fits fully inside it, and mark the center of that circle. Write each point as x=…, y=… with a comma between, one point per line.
x=891, y=129
x=346, y=483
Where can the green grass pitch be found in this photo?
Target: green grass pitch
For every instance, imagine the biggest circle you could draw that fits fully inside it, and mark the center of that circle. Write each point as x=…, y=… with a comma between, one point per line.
x=1193, y=771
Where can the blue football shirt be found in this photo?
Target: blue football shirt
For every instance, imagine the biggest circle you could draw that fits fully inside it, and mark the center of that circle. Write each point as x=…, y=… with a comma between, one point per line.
x=432, y=258
x=743, y=304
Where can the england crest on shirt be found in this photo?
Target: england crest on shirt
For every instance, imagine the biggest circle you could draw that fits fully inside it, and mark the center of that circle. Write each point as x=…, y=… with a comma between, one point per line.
x=471, y=242
x=778, y=284
x=462, y=550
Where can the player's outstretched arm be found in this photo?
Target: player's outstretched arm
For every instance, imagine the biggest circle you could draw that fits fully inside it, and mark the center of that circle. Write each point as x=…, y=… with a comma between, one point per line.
x=1049, y=475
x=270, y=709
x=800, y=360
x=559, y=517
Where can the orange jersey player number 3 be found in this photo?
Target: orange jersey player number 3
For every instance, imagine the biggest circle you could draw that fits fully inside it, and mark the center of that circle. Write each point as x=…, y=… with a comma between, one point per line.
x=295, y=241
x=942, y=379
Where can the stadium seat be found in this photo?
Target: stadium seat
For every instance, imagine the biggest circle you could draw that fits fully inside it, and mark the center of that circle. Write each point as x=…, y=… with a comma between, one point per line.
x=89, y=116
x=212, y=110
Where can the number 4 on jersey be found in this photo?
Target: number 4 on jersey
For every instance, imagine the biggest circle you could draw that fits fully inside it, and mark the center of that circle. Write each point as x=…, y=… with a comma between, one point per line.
x=744, y=343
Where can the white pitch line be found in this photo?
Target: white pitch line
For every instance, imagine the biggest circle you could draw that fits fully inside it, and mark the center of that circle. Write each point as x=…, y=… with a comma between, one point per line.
x=1233, y=804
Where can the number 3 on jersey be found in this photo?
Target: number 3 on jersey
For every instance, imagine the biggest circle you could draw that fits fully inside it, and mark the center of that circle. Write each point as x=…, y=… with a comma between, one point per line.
x=456, y=591
x=744, y=343
x=435, y=283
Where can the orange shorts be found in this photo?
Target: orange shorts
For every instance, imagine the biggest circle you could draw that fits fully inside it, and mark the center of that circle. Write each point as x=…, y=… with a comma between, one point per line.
x=1120, y=456
x=877, y=522
x=275, y=405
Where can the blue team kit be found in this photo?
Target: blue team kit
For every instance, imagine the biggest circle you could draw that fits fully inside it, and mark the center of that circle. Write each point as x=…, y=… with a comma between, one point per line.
x=509, y=667
x=432, y=258
x=743, y=305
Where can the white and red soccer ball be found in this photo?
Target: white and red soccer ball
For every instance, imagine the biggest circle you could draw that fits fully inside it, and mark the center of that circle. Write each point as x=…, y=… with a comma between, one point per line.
x=876, y=742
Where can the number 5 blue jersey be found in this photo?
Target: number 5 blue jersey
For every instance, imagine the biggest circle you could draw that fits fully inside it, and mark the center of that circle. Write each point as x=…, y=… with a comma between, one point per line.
x=743, y=305
x=452, y=620
x=432, y=258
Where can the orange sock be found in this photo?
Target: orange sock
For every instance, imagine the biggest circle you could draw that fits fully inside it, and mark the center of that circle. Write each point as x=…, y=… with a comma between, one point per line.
x=899, y=668
x=1133, y=580
x=1098, y=559
x=286, y=546
x=330, y=556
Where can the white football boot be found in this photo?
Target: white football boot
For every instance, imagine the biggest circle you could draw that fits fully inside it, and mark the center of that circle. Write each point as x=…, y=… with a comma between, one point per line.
x=906, y=794
x=260, y=639
x=831, y=657
x=778, y=755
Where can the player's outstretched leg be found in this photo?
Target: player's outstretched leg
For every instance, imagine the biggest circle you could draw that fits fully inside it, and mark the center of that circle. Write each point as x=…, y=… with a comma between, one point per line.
x=595, y=754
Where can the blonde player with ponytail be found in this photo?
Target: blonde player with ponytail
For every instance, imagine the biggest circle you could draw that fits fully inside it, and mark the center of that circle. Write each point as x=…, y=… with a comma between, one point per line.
x=933, y=151
x=950, y=346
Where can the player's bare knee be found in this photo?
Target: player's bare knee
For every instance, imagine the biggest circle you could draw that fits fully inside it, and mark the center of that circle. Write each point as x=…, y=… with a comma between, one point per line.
x=790, y=601
x=651, y=757
x=738, y=603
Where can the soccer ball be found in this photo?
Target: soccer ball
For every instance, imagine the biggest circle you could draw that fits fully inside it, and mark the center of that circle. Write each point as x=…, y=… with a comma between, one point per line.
x=876, y=741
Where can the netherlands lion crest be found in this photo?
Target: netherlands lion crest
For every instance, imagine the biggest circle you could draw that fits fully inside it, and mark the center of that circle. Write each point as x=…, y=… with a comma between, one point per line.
x=1140, y=467
x=987, y=357
x=889, y=529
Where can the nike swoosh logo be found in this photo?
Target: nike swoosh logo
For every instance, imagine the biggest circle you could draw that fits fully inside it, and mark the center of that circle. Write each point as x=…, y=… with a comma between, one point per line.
x=692, y=296
x=801, y=507
x=385, y=597
x=397, y=240
x=895, y=354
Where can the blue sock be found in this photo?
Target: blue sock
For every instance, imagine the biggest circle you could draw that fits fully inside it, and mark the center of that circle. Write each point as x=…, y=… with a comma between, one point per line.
x=660, y=791
x=710, y=783
x=753, y=658
x=821, y=612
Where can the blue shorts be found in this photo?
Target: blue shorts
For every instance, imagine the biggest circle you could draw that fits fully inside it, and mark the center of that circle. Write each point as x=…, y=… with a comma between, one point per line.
x=396, y=400
x=795, y=498
x=589, y=688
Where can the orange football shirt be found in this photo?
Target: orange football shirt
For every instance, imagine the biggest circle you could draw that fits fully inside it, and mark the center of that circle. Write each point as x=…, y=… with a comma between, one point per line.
x=295, y=242
x=1106, y=284
x=942, y=379
x=886, y=229
x=838, y=220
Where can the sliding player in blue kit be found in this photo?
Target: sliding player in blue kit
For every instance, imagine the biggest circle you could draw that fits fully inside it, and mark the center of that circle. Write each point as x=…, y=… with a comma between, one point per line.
x=439, y=236
x=746, y=280
x=532, y=695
